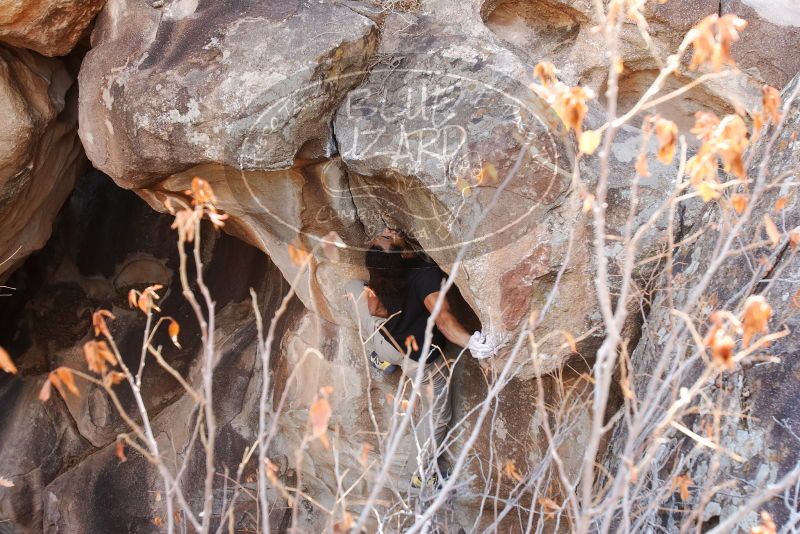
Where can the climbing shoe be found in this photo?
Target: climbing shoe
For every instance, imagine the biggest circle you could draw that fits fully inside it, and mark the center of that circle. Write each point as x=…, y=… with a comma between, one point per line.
x=381, y=365
x=430, y=483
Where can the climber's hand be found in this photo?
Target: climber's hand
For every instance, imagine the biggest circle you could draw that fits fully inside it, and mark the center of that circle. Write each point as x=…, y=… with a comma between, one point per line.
x=478, y=346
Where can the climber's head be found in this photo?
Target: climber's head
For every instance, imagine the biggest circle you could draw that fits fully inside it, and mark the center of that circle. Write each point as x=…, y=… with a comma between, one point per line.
x=389, y=239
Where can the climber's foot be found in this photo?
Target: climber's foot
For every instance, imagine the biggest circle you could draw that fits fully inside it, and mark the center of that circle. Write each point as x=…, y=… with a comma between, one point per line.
x=430, y=483
x=381, y=365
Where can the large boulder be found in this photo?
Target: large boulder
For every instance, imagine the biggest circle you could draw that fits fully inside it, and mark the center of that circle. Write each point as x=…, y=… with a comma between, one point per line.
x=40, y=154
x=165, y=89
x=50, y=27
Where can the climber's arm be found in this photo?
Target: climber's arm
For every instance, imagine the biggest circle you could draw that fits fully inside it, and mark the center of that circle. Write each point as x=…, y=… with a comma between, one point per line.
x=446, y=322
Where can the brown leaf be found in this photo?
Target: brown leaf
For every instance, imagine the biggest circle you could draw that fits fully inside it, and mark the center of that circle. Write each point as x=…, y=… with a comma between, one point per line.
x=771, y=102
x=721, y=345
x=363, y=458
x=272, y=472
x=64, y=374
x=318, y=415
x=794, y=238
x=780, y=204
x=119, y=451
x=411, y=344
x=546, y=72
x=739, y=203
x=6, y=364
x=114, y=378
x=97, y=354
x=766, y=526
x=755, y=317
x=345, y=525
x=510, y=470
x=682, y=482
x=487, y=175
x=667, y=135
x=173, y=330
x=99, y=322
x=201, y=192
x=772, y=231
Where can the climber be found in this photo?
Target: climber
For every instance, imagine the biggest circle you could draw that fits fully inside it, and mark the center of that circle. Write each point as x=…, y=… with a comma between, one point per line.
x=393, y=312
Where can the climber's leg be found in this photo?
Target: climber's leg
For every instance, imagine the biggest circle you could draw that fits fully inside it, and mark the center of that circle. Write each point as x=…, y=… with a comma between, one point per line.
x=432, y=421
x=381, y=353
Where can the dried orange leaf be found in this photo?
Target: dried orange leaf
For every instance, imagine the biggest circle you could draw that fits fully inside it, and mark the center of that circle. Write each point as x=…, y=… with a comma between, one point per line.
x=5, y=483
x=64, y=374
x=667, y=135
x=772, y=231
x=363, y=458
x=771, y=101
x=6, y=364
x=766, y=526
x=119, y=451
x=99, y=322
x=546, y=72
x=780, y=204
x=683, y=482
x=739, y=203
x=173, y=330
x=755, y=317
x=411, y=344
x=272, y=472
x=318, y=415
x=487, y=175
x=510, y=470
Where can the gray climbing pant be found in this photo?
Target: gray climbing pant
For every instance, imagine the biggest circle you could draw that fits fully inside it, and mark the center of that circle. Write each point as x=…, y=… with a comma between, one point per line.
x=433, y=410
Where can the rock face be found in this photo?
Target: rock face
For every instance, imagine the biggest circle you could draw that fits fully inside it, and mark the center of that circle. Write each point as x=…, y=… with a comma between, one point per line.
x=154, y=103
x=94, y=257
x=311, y=117
x=759, y=425
x=50, y=27
x=404, y=144
x=40, y=152
x=766, y=49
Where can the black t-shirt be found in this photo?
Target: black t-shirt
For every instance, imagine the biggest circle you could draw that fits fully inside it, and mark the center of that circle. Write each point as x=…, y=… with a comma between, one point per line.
x=422, y=279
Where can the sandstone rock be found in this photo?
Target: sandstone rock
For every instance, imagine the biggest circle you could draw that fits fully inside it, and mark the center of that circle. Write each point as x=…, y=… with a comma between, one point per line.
x=50, y=27
x=763, y=390
x=39, y=150
x=767, y=49
x=166, y=89
x=416, y=136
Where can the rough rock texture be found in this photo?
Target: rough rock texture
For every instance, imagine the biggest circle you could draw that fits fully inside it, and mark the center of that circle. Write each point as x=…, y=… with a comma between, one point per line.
x=308, y=117
x=40, y=154
x=50, y=27
x=766, y=436
x=768, y=48
x=107, y=241
x=202, y=82
x=443, y=98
